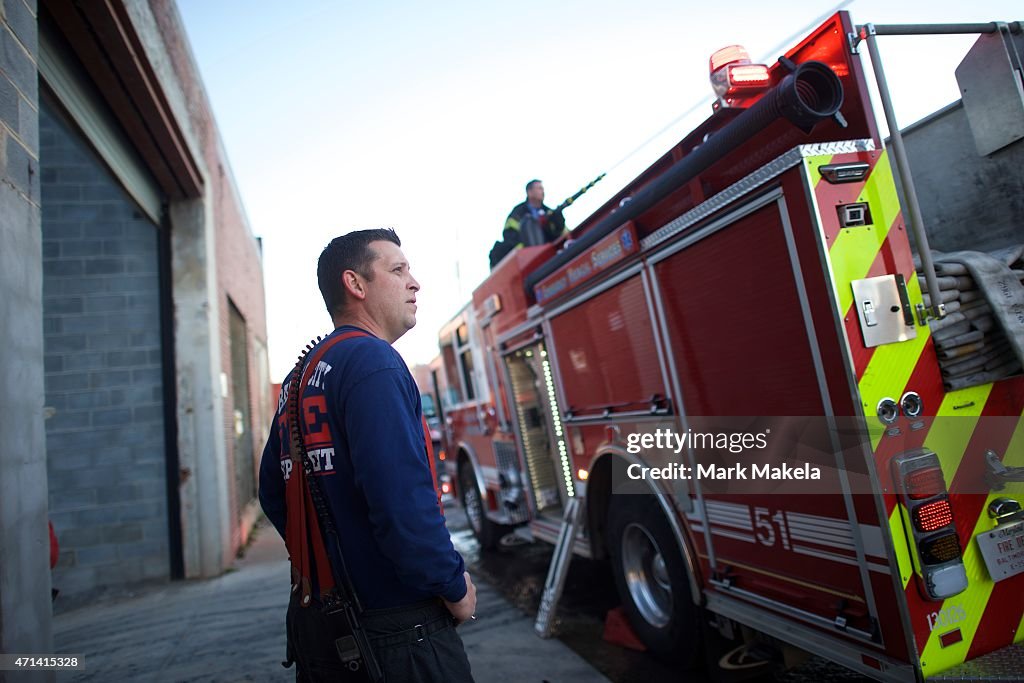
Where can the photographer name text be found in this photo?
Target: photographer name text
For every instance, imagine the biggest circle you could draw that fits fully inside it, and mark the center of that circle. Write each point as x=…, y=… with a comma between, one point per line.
x=748, y=472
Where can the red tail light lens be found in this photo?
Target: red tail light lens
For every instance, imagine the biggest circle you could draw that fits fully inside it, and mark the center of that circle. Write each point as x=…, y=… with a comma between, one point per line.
x=941, y=549
x=925, y=483
x=932, y=516
x=940, y=568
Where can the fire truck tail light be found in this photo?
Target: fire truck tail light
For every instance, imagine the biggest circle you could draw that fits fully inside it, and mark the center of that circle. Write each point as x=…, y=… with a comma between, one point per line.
x=933, y=516
x=442, y=455
x=941, y=549
x=925, y=483
x=733, y=54
x=924, y=499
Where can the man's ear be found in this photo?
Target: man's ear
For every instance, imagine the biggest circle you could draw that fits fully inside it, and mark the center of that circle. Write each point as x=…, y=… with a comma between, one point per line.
x=353, y=284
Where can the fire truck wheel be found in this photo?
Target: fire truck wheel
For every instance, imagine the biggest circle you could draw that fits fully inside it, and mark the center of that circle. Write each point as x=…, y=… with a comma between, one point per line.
x=651, y=579
x=487, y=532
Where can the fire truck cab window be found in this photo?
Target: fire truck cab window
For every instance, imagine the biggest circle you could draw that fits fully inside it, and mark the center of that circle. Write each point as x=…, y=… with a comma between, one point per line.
x=453, y=394
x=458, y=365
x=465, y=353
x=466, y=357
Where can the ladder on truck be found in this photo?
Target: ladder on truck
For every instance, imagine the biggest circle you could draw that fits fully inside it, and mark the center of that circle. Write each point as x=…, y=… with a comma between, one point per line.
x=559, y=568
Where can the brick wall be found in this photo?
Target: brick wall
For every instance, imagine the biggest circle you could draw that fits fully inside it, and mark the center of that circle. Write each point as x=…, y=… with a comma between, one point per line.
x=105, y=438
x=239, y=267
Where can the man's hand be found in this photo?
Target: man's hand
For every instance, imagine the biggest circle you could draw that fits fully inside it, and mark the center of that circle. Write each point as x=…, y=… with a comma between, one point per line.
x=466, y=607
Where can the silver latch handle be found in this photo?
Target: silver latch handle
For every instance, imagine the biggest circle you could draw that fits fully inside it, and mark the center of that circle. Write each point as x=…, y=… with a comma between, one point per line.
x=870, y=319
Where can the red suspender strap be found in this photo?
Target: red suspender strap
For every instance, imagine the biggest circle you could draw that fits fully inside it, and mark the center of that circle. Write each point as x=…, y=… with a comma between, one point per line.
x=433, y=465
x=303, y=530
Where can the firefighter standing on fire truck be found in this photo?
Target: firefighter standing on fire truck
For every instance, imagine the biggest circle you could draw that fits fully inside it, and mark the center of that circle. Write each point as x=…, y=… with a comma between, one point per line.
x=529, y=224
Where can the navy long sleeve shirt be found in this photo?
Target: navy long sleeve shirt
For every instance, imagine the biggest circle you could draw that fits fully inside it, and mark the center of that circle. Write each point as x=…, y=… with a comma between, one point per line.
x=371, y=461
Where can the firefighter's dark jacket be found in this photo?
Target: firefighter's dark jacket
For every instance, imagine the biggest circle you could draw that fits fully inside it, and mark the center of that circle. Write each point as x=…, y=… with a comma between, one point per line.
x=382, y=497
x=522, y=229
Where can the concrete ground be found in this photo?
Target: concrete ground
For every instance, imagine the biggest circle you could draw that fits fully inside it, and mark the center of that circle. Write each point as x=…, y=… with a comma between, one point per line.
x=232, y=629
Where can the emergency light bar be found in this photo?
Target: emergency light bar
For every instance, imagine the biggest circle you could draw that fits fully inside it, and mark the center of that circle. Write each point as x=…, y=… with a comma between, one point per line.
x=731, y=71
x=733, y=54
x=928, y=523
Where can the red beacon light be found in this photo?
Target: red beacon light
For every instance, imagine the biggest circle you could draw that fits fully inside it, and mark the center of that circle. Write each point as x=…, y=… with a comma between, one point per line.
x=732, y=73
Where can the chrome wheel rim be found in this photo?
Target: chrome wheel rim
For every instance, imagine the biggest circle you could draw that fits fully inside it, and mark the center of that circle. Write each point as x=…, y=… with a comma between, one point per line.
x=471, y=502
x=647, y=577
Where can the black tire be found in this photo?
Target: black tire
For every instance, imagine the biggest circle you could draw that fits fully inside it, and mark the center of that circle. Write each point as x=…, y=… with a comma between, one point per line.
x=652, y=579
x=487, y=533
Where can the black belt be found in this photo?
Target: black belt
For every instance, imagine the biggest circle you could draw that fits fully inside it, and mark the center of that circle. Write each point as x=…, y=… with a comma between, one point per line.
x=432, y=616
x=413, y=635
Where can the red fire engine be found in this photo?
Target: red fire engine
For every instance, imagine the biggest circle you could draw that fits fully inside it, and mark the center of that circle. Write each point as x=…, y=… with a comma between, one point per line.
x=762, y=267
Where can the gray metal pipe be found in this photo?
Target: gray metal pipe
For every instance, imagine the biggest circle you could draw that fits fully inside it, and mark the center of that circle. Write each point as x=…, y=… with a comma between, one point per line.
x=937, y=29
x=899, y=152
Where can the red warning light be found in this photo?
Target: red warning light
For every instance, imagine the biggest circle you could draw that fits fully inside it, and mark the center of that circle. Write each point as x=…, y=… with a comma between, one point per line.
x=734, y=54
x=748, y=74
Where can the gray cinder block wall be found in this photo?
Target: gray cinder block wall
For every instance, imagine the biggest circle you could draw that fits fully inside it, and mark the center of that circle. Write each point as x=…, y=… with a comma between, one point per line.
x=104, y=391
x=25, y=611
x=967, y=201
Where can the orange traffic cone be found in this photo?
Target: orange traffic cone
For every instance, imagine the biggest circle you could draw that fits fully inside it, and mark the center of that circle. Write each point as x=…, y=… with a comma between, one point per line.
x=617, y=631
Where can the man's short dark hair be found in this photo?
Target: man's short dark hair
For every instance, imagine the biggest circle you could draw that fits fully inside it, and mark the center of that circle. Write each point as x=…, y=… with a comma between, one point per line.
x=530, y=184
x=348, y=252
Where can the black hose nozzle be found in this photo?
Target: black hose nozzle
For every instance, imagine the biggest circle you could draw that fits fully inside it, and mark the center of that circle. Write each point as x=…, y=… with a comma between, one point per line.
x=811, y=93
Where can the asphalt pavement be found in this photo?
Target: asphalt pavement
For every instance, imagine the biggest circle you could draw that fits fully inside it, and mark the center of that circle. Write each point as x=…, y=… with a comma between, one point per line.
x=231, y=628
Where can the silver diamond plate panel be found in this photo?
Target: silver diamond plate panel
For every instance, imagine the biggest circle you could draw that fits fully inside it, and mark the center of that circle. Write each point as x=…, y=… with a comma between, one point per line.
x=1006, y=664
x=844, y=147
x=506, y=458
x=750, y=183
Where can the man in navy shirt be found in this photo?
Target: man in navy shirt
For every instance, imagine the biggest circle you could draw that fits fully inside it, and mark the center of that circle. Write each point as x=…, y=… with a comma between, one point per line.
x=364, y=437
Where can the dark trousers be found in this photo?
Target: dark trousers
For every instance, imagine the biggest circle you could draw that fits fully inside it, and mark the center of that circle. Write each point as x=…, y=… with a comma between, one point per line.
x=413, y=644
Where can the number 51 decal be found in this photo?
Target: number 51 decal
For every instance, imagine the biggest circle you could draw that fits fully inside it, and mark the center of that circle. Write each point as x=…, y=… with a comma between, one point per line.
x=765, y=529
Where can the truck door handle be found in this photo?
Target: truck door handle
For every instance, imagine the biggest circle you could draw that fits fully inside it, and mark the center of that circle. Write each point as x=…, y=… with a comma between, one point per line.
x=870, y=319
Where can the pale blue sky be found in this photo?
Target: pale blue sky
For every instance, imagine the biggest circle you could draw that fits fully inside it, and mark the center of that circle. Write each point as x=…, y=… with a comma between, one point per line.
x=430, y=117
